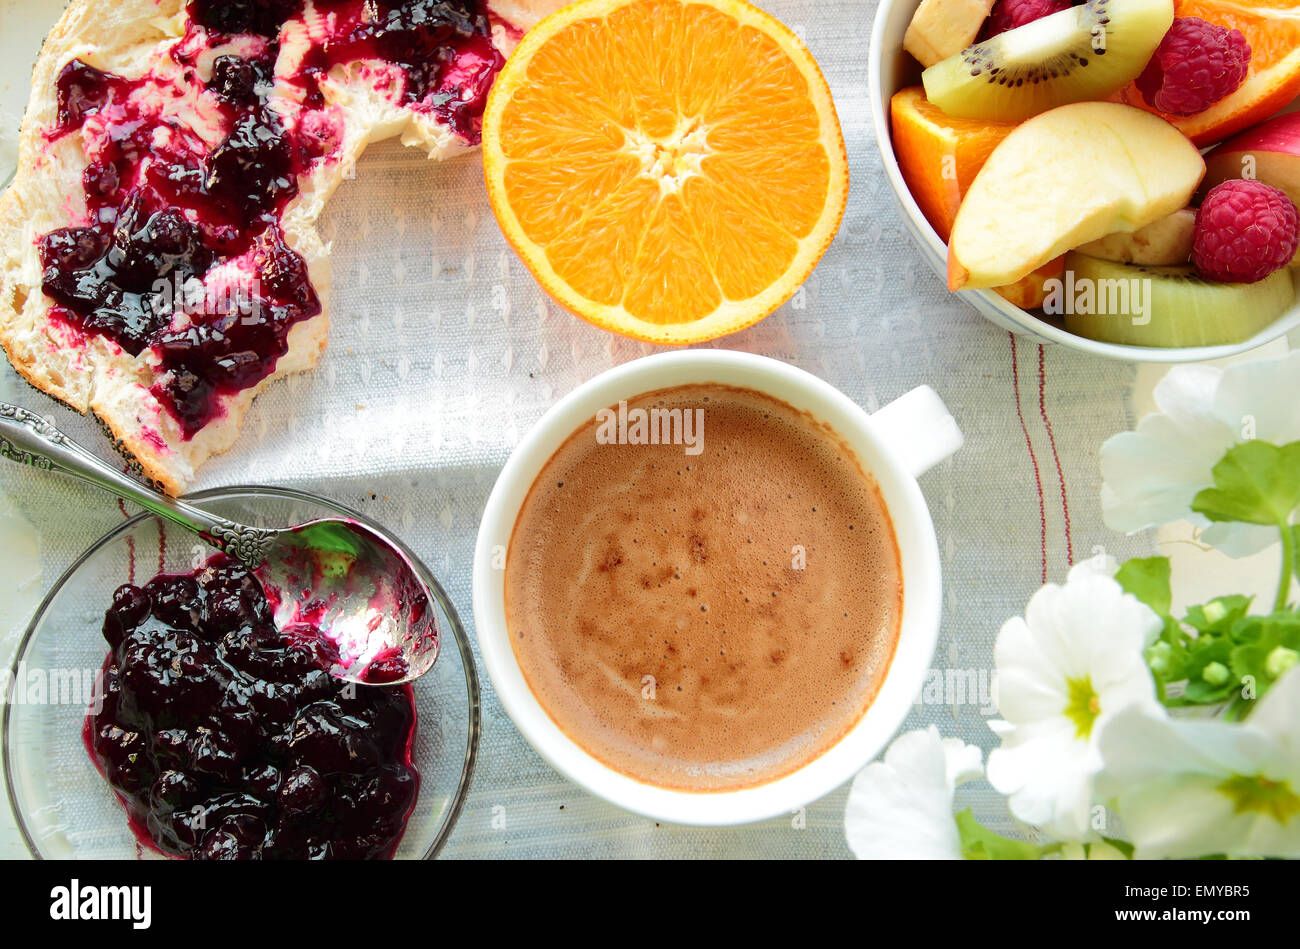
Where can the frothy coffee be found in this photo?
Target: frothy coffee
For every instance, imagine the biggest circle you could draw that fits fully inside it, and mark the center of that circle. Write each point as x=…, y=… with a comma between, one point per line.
x=705, y=621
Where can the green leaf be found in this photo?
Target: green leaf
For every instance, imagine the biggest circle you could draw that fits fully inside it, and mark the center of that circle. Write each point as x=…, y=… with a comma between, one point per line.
x=980, y=843
x=1295, y=545
x=1147, y=578
x=1290, y=564
x=1262, y=654
x=1123, y=846
x=1219, y=615
x=1255, y=482
x=1280, y=627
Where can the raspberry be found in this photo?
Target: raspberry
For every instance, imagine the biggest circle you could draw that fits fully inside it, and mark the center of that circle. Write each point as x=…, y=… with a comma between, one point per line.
x=1195, y=65
x=1245, y=230
x=1009, y=14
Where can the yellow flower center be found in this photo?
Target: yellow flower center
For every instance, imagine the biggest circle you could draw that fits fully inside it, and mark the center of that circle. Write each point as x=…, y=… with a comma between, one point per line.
x=1082, y=705
x=1261, y=795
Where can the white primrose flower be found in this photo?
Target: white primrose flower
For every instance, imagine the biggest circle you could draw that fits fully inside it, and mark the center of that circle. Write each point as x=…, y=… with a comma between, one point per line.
x=1068, y=666
x=1197, y=788
x=1150, y=476
x=901, y=808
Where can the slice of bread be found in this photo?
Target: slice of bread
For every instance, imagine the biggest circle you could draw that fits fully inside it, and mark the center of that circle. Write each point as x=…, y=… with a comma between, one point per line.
x=90, y=372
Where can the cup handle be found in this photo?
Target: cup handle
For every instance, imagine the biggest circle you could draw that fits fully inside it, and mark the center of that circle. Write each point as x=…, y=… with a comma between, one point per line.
x=918, y=429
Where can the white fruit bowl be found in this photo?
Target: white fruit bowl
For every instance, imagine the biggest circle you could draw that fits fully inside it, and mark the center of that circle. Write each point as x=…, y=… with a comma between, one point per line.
x=890, y=69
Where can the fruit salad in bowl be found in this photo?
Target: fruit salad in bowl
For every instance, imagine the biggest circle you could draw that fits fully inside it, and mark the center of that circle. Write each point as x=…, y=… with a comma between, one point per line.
x=1121, y=176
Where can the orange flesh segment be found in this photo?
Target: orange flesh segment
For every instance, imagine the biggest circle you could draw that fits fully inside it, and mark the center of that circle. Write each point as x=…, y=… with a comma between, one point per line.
x=1272, y=28
x=939, y=156
x=678, y=174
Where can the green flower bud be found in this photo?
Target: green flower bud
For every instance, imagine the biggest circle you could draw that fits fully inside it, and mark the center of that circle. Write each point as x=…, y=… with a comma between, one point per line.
x=1158, y=657
x=1215, y=673
x=1280, y=660
x=1214, y=611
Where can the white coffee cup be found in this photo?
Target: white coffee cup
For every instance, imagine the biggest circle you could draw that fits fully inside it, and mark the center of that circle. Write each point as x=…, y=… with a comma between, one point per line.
x=895, y=444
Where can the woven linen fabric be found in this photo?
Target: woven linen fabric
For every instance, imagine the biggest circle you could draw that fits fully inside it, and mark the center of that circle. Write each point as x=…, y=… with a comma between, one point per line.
x=443, y=351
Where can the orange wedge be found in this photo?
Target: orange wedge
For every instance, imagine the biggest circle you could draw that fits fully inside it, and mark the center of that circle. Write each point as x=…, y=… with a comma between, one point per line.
x=1272, y=28
x=1030, y=291
x=939, y=156
x=669, y=171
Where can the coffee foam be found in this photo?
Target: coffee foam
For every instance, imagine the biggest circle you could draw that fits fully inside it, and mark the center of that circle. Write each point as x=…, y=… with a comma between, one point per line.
x=657, y=606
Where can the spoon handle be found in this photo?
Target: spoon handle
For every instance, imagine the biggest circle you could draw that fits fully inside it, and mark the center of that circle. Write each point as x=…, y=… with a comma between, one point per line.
x=28, y=439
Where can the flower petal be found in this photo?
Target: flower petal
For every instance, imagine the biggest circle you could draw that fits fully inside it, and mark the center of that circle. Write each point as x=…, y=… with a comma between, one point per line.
x=962, y=762
x=1141, y=743
x=1186, y=395
x=1181, y=816
x=1239, y=540
x=1048, y=779
x=1151, y=476
x=1261, y=395
x=1087, y=631
x=1030, y=685
x=901, y=808
x=1167, y=779
x=1088, y=628
x=1278, y=713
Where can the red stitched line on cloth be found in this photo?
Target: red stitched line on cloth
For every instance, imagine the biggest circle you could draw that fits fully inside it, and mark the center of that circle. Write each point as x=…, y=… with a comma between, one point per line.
x=1038, y=480
x=1060, y=473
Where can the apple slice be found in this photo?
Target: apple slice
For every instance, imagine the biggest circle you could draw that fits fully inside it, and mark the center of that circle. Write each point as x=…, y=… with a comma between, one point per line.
x=1062, y=179
x=940, y=28
x=1269, y=152
x=1163, y=243
x=1164, y=306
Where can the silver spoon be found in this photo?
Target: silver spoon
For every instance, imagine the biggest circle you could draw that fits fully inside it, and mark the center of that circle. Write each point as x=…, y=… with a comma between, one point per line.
x=348, y=581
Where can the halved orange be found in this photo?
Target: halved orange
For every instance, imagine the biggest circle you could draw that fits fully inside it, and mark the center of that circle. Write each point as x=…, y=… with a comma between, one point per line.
x=668, y=170
x=1272, y=28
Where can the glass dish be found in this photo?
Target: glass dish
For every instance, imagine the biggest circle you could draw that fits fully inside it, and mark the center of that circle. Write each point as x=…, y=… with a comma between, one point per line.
x=63, y=806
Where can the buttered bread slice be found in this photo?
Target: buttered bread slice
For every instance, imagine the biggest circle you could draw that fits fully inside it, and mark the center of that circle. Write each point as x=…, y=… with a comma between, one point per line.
x=161, y=263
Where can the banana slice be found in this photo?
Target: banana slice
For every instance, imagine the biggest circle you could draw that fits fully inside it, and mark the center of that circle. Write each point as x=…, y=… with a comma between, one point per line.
x=1163, y=243
x=942, y=27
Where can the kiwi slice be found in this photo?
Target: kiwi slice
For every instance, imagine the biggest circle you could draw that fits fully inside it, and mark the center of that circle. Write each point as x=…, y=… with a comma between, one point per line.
x=1163, y=306
x=1079, y=54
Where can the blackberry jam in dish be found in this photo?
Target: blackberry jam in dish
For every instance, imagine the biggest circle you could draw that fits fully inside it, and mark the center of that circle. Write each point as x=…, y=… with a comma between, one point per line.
x=228, y=738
